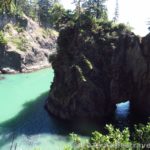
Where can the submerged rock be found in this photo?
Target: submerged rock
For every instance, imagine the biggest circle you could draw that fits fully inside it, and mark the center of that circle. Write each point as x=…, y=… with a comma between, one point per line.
x=96, y=70
x=8, y=71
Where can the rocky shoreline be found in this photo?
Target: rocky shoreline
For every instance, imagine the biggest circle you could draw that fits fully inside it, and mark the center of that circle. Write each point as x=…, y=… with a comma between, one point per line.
x=28, y=46
x=29, y=70
x=11, y=69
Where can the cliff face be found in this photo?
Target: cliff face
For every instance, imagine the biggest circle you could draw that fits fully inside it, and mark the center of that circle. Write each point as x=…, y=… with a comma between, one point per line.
x=96, y=70
x=28, y=45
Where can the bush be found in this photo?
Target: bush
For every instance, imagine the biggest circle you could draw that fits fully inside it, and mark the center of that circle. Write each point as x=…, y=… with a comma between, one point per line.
x=142, y=134
x=114, y=139
x=21, y=43
x=3, y=41
x=122, y=27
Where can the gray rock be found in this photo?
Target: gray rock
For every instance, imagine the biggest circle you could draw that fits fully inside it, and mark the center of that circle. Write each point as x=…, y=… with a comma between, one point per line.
x=35, y=52
x=8, y=71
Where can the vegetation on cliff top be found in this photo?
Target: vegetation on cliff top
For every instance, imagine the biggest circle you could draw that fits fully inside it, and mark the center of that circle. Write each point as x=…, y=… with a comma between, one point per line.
x=17, y=26
x=46, y=12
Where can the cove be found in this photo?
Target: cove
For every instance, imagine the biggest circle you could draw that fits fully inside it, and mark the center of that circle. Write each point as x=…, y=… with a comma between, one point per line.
x=24, y=123
x=15, y=90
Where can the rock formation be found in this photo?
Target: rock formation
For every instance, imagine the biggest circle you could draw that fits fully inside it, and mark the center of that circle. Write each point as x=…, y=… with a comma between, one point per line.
x=28, y=45
x=97, y=68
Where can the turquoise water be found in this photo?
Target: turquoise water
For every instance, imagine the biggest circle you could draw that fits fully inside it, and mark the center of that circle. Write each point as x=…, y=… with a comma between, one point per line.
x=18, y=89
x=24, y=123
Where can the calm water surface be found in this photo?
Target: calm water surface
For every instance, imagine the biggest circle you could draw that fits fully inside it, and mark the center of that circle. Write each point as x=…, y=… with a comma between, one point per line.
x=25, y=125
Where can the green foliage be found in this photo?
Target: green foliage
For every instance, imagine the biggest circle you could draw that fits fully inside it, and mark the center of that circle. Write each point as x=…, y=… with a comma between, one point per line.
x=87, y=62
x=91, y=31
x=142, y=134
x=122, y=27
x=3, y=40
x=55, y=13
x=76, y=139
x=68, y=18
x=27, y=7
x=96, y=8
x=114, y=139
x=21, y=43
x=111, y=141
x=8, y=27
x=47, y=32
x=43, y=11
x=82, y=77
x=19, y=29
x=5, y=6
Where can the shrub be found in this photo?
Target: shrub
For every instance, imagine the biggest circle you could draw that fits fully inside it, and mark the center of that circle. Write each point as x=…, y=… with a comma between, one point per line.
x=3, y=41
x=21, y=43
x=142, y=134
x=114, y=139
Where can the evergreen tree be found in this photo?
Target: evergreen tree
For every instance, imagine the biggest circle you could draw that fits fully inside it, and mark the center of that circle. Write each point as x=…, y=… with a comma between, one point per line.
x=78, y=5
x=43, y=14
x=96, y=8
x=116, y=12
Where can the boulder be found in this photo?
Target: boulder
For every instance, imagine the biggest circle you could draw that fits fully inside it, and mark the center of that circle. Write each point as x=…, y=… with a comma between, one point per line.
x=8, y=71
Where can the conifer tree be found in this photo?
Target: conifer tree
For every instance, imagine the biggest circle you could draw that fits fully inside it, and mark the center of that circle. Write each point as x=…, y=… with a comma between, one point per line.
x=96, y=8
x=116, y=17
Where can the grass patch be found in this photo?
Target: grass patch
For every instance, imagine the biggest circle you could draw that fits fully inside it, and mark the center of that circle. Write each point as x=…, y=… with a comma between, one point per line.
x=49, y=32
x=21, y=43
x=3, y=40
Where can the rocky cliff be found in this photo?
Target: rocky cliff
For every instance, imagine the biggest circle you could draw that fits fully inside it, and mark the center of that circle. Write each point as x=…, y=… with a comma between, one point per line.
x=28, y=45
x=97, y=67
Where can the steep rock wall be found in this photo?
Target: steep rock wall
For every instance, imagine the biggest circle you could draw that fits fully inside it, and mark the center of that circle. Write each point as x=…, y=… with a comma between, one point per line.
x=95, y=70
x=28, y=45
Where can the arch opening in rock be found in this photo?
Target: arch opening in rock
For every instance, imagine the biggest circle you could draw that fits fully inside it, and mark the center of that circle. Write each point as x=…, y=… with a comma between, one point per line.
x=122, y=110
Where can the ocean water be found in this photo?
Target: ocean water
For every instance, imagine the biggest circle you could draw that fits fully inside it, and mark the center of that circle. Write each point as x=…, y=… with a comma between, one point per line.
x=24, y=123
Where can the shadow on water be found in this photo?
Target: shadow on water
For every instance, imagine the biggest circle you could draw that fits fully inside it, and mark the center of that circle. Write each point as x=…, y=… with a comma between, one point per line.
x=34, y=120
